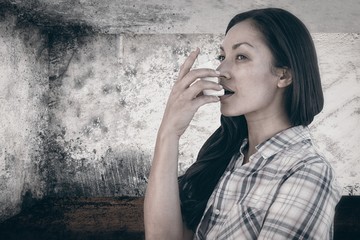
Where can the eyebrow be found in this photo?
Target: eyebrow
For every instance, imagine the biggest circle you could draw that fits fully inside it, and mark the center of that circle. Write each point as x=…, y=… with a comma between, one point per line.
x=235, y=46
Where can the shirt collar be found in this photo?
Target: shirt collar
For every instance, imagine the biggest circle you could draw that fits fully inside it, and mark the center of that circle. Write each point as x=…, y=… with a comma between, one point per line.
x=283, y=140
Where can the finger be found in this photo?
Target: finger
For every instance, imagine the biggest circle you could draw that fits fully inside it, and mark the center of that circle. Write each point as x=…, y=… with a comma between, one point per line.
x=188, y=63
x=196, y=74
x=199, y=86
x=202, y=100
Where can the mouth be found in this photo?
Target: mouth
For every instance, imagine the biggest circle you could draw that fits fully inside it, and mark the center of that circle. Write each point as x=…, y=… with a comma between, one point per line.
x=228, y=92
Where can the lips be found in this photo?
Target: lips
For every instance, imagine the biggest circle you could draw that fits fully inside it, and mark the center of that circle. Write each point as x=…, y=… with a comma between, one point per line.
x=227, y=90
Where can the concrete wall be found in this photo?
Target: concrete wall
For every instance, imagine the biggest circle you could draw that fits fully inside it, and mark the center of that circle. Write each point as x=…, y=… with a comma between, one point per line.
x=93, y=127
x=80, y=107
x=23, y=112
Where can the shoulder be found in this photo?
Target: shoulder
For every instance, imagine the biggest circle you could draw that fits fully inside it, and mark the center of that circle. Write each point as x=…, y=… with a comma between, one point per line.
x=300, y=152
x=302, y=161
x=307, y=158
x=312, y=173
x=292, y=147
x=311, y=181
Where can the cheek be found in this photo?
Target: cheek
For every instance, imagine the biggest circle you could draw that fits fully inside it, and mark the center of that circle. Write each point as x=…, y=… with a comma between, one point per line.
x=259, y=84
x=256, y=93
x=264, y=78
x=264, y=89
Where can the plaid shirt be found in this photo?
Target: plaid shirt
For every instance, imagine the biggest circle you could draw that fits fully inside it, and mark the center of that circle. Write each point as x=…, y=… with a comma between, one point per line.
x=286, y=191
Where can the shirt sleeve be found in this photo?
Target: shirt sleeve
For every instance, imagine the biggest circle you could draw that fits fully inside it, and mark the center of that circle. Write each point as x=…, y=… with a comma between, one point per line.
x=304, y=206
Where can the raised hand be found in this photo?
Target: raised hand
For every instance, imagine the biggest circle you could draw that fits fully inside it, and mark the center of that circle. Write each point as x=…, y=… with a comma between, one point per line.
x=186, y=96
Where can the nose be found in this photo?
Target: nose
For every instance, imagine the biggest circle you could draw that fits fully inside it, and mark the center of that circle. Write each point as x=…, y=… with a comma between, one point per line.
x=224, y=73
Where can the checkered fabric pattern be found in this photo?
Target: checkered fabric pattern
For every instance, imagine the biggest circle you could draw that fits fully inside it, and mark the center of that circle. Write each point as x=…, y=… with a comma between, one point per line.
x=286, y=191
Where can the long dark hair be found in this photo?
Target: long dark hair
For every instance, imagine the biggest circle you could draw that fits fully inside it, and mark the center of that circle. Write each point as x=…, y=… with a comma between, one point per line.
x=292, y=47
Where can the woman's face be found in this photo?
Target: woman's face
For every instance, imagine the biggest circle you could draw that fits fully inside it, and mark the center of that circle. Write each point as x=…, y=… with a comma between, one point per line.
x=246, y=69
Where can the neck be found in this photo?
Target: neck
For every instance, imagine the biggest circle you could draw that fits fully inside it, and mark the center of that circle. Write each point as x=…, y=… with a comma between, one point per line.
x=261, y=129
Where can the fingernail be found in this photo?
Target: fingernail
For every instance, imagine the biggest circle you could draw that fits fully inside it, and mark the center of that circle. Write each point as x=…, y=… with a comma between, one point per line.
x=217, y=72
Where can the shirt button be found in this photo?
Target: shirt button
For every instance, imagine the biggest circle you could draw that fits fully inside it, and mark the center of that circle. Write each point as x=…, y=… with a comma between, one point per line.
x=217, y=211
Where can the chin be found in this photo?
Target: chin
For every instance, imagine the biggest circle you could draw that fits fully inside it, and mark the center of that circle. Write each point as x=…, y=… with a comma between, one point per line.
x=230, y=112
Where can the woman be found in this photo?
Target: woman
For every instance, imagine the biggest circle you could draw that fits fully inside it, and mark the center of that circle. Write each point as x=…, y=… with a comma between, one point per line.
x=258, y=176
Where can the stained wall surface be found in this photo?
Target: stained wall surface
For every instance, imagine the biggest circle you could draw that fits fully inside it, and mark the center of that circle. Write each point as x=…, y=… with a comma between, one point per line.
x=23, y=112
x=94, y=125
x=80, y=107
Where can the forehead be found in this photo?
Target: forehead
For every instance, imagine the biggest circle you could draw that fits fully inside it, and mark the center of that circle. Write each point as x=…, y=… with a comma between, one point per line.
x=244, y=31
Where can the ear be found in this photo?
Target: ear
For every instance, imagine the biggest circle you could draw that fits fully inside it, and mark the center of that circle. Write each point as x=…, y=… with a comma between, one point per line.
x=285, y=77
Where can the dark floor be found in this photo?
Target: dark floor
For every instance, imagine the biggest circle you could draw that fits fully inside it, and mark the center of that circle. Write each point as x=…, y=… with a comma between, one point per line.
x=78, y=218
x=121, y=218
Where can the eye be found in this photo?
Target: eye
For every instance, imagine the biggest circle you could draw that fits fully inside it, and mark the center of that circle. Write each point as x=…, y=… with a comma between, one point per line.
x=241, y=57
x=220, y=58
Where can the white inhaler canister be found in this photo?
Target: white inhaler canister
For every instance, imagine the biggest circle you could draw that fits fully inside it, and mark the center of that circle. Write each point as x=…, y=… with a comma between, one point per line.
x=210, y=92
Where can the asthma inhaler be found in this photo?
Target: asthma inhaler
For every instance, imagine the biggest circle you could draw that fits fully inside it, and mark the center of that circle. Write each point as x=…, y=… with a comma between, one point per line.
x=209, y=92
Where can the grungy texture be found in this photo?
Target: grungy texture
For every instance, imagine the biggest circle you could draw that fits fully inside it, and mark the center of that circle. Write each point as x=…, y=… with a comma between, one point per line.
x=91, y=150
x=23, y=112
